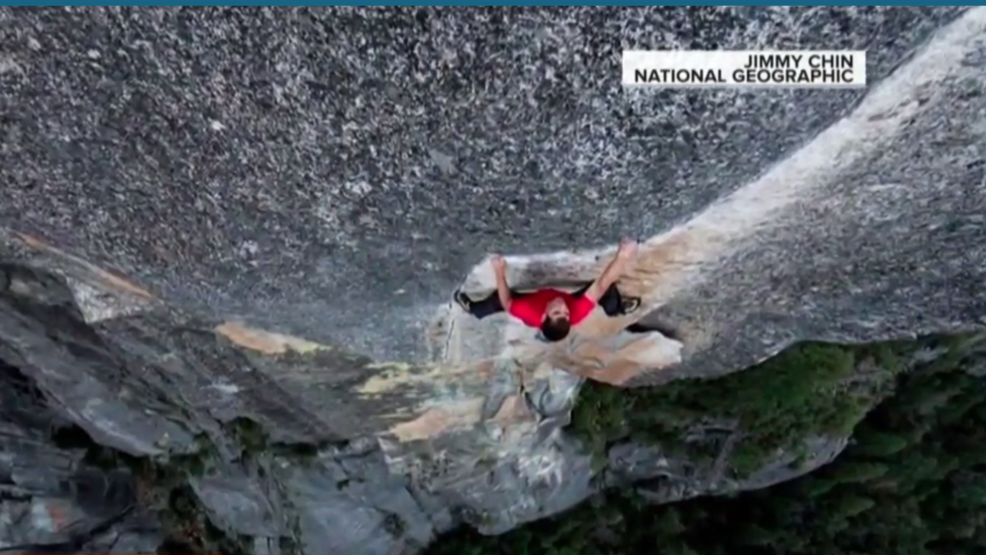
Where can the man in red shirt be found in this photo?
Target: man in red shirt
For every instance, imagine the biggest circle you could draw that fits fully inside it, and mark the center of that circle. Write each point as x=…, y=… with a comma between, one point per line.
x=556, y=312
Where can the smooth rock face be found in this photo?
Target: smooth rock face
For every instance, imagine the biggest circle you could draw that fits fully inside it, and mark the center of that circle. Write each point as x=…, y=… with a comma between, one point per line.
x=263, y=176
x=673, y=479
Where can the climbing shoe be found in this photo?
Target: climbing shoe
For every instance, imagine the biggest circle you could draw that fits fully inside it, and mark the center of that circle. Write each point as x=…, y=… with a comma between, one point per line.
x=630, y=305
x=462, y=300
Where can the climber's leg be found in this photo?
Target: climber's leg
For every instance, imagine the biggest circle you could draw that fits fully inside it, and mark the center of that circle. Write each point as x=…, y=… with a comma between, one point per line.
x=485, y=307
x=613, y=302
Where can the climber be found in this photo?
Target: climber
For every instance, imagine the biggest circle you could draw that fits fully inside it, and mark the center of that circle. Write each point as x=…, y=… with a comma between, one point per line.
x=556, y=312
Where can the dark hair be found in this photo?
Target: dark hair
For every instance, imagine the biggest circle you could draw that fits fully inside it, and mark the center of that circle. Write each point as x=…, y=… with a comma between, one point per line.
x=555, y=330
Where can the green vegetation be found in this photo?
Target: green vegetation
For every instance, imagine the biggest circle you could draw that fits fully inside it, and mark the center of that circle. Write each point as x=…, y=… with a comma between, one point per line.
x=809, y=389
x=913, y=481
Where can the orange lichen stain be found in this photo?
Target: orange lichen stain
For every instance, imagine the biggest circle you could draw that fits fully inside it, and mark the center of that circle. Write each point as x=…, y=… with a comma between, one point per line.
x=513, y=409
x=451, y=416
x=596, y=360
x=266, y=342
x=112, y=281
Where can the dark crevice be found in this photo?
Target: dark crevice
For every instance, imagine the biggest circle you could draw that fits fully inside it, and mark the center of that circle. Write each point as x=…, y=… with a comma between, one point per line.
x=664, y=329
x=20, y=399
x=71, y=437
x=175, y=546
x=194, y=527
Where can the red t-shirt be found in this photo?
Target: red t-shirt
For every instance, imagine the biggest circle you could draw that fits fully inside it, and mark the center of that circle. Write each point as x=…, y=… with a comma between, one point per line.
x=530, y=308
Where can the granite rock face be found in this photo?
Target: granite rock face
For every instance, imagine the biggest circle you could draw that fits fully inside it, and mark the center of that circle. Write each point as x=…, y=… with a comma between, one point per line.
x=292, y=195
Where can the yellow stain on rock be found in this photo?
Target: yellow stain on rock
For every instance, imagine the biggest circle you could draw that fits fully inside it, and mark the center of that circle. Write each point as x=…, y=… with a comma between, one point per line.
x=390, y=375
x=396, y=367
x=393, y=376
x=267, y=342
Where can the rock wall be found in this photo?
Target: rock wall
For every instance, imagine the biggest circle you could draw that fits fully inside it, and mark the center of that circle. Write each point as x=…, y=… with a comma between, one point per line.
x=229, y=236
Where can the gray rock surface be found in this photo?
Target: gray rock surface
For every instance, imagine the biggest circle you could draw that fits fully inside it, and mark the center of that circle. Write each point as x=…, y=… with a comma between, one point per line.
x=668, y=478
x=266, y=175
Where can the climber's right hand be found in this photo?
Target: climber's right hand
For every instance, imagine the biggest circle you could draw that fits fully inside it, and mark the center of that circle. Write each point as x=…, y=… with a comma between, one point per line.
x=498, y=263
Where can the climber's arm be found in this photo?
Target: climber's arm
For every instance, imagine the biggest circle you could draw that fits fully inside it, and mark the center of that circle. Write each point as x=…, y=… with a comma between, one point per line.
x=613, y=272
x=502, y=289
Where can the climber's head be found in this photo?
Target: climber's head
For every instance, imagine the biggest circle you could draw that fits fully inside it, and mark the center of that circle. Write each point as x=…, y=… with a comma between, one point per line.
x=556, y=323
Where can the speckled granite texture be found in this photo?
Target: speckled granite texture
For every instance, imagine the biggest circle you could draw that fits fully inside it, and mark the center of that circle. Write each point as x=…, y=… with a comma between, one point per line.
x=305, y=169
x=333, y=174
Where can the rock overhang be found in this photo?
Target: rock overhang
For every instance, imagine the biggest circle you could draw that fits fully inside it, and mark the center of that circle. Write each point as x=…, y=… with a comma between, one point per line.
x=349, y=185
x=883, y=244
